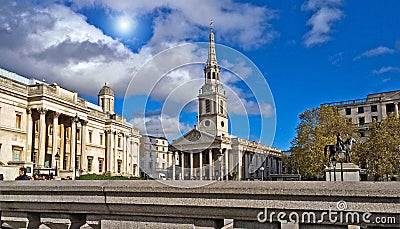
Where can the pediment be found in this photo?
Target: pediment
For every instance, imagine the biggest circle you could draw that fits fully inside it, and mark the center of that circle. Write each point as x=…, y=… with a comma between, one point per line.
x=194, y=137
x=393, y=96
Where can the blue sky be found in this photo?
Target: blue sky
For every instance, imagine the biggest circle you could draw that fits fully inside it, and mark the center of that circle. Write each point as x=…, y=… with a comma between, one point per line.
x=309, y=52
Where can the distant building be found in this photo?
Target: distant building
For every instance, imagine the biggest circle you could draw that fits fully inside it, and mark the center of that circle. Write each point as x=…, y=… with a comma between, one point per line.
x=40, y=123
x=155, y=157
x=208, y=152
x=376, y=106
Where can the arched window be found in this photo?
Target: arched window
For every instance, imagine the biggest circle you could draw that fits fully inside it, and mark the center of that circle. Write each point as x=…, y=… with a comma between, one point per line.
x=208, y=108
x=213, y=75
x=221, y=107
x=208, y=75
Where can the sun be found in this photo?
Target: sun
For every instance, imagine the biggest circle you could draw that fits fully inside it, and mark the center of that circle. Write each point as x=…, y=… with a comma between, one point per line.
x=125, y=24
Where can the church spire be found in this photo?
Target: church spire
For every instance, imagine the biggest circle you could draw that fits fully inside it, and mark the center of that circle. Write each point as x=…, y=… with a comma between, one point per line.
x=212, y=57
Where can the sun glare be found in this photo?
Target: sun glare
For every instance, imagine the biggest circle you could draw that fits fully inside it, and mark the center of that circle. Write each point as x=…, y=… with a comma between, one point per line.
x=125, y=24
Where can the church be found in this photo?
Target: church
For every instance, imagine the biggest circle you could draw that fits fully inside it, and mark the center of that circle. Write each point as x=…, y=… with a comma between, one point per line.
x=208, y=152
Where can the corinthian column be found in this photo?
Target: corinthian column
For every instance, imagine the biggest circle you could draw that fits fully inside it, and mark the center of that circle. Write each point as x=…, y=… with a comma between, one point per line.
x=29, y=126
x=42, y=136
x=55, y=137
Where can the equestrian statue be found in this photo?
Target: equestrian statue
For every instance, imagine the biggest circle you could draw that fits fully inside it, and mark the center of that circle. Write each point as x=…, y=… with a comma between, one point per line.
x=340, y=146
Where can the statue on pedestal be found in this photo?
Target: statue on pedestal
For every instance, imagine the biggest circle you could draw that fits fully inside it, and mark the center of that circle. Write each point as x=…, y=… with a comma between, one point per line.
x=340, y=147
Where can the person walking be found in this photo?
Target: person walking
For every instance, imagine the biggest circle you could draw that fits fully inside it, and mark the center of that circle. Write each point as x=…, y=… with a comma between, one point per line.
x=22, y=174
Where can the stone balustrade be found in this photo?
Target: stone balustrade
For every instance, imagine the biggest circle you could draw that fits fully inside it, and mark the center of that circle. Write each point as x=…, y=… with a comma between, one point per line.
x=226, y=204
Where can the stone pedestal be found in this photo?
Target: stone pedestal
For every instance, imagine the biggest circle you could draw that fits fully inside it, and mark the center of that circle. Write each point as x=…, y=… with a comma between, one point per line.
x=351, y=172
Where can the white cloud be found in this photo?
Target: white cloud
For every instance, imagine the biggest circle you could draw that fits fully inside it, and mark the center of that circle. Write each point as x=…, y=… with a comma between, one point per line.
x=53, y=42
x=378, y=51
x=242, y=24
x=386, y=69
x=325, y=14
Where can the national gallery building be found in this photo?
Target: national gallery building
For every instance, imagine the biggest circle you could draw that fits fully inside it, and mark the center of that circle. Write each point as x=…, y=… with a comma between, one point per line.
x=50, y=130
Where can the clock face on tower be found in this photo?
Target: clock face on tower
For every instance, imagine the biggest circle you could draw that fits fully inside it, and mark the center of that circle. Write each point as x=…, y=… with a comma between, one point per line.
x=207, y=88
x=220, y=88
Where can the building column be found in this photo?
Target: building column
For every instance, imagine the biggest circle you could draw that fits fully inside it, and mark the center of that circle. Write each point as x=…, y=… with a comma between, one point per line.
x=115, y=155
x=29, y=125
x=211, y=165
x=73, y=147
x=173, y=164
x=191, y=166
x=201, y=164
x=124, y=155
x=396, y=109
x=84, y=160
x=62, y=146
x=240, y=155
x=108, y=150
x=226, y=154
x=55, y=137
x=183, y=166
x=42, y=136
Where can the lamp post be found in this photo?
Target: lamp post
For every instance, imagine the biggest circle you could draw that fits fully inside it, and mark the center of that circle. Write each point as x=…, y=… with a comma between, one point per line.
x=76, y=120
x=57, y=157
x=341, y=157
x=334, y=168
x=262, y=172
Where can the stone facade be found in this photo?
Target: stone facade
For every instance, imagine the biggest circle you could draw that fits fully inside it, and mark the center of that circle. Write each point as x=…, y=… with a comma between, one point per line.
x=39, y=121
x=361, y=112
x=208, y=152
x=155, y=157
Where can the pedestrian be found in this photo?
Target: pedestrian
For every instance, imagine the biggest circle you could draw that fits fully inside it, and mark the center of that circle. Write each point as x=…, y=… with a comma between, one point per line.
x=22, y=174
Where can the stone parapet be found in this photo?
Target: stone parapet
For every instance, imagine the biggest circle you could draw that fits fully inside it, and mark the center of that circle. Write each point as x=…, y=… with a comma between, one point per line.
x=108, y=204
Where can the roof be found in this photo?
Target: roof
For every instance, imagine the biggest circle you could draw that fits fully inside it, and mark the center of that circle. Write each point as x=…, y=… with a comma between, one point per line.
x=106, y=90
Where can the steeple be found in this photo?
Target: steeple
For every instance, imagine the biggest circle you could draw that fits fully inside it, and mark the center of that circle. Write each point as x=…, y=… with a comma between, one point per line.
x=212, y=57
x=211, y=70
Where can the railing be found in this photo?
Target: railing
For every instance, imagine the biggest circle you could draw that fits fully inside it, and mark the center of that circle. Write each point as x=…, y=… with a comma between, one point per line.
x=353, y=102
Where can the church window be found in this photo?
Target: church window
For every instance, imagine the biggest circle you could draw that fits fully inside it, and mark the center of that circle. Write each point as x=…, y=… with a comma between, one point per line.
x=213, y=75
x=222, y=123
x=221, y=107
x=208, y=75
x=207, y=123
x=208, y=106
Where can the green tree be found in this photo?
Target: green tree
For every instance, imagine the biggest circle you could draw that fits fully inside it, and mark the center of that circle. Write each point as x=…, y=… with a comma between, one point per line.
x=317, y=128
x=380, y=153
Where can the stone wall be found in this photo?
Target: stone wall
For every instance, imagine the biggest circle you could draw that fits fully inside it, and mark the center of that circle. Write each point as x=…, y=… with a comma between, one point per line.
x=226, y=204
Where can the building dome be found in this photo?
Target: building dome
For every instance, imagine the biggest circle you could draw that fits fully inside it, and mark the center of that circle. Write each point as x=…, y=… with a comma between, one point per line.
x=106, y=90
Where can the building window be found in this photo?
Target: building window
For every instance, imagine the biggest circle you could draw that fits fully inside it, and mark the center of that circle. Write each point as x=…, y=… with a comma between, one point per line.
x=350, y=120
x=150, y=165
x=208, y=106
x=360, y=110
x=374, y=108
x=101, y=139
x=157, y=148
x=119, y=166
x=17, y=153
x=362, y=134
x=34, y=154
x=375, y=118
x=89, y=164
x=18, y=121
x=221, y=107
x=90, y=136
x=119, y=142
x=389, y=108
x=163, y=165
x=101, y=161
x=163, y=156
x=361, y=120
x=78, y=162
x=348, y=111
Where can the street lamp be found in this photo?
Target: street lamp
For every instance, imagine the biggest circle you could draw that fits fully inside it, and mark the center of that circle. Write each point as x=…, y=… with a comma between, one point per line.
x=341, y=157
x=57, y=157
x=334, y=168
x=262, y=172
